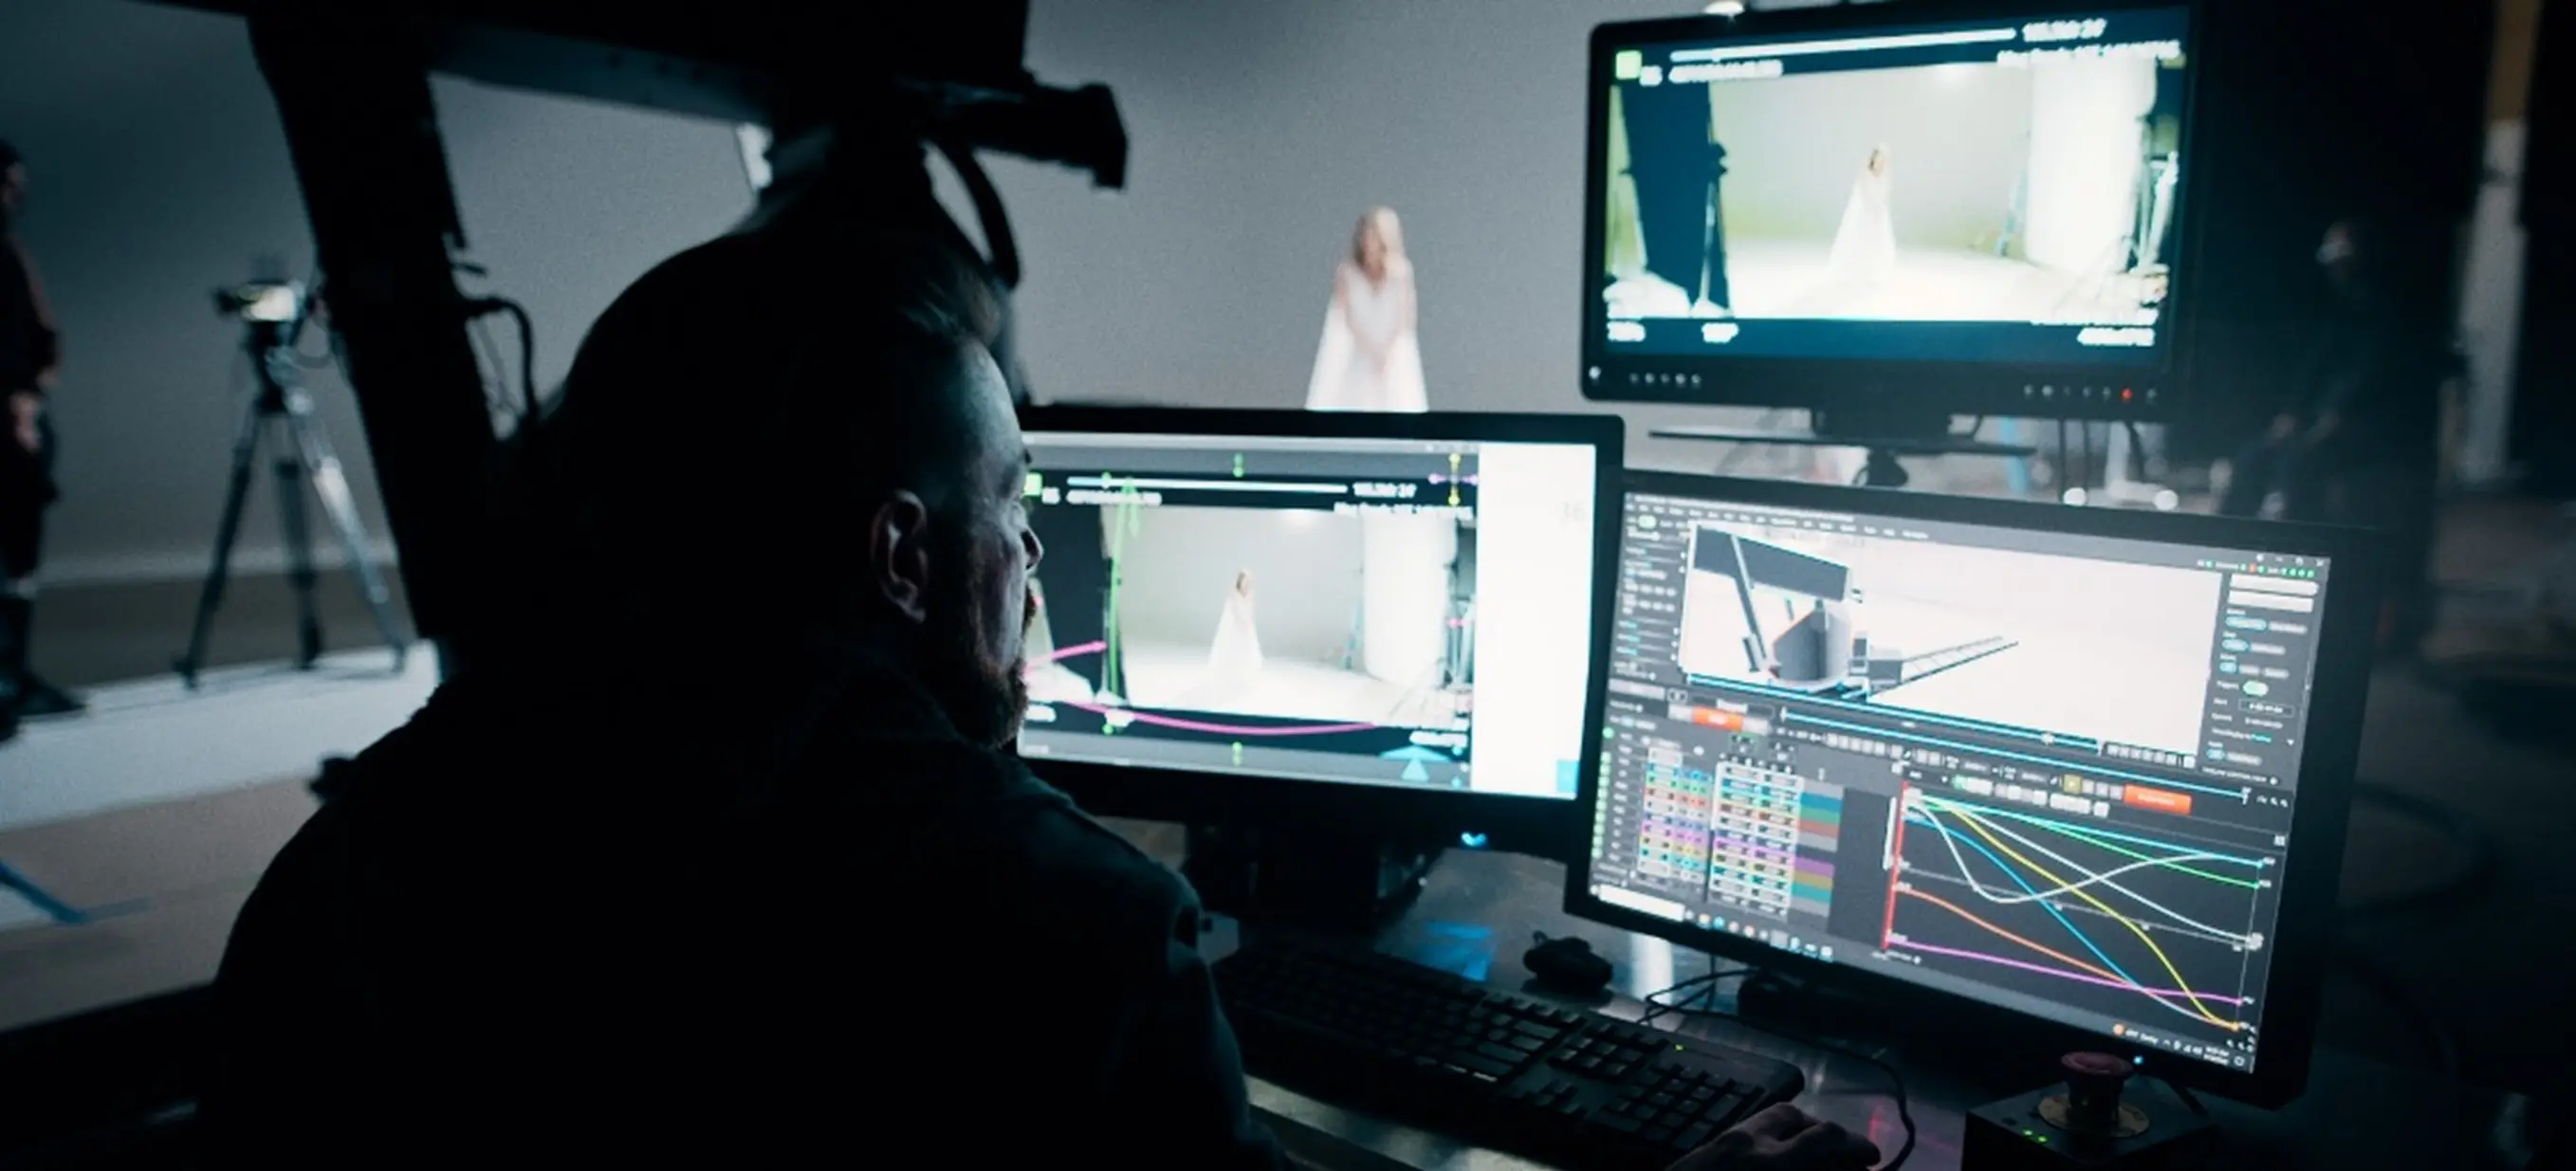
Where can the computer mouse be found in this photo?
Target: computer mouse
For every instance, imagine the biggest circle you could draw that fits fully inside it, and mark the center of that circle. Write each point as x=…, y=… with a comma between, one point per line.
x=1567, y=965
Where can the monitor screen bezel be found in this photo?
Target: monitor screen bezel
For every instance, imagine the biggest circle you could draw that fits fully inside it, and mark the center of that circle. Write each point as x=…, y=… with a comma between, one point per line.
x=2309, y=878
x=1826, y=384
x=1543, y=826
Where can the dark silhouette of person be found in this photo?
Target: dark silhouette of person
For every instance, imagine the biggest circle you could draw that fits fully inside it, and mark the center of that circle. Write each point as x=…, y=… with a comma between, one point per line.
x=2355, y=443
x=577, y=907
x=30, y=351
x=582, y=907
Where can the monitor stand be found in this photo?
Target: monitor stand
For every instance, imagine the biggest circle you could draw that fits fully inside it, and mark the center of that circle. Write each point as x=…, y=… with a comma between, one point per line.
x=1886, y=433
x=1309, y=878
x=1971, y=1047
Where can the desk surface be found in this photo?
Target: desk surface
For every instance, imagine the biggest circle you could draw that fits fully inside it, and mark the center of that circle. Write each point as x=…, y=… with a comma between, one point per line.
x=1476, y=918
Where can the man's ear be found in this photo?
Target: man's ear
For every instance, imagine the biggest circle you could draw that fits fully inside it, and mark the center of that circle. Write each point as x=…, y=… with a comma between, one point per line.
x=899, y=554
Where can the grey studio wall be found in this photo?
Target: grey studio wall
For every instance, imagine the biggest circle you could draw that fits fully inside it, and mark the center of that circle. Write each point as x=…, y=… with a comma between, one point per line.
x=1956, y=136
x=160, y=172
x=1180, y=566
x=1260, y=132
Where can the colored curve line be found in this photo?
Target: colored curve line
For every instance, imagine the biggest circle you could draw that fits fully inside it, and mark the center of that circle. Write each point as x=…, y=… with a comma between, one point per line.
x=2119, y=976
x=2238, y=939
x=1952, y=841
x=2048, y=971
x=1220, y=729
x=2116, y=917
x=2105, y=878
x=1925, y=814
x=2102, y=838
x=1126, y=519
x=1193, y=725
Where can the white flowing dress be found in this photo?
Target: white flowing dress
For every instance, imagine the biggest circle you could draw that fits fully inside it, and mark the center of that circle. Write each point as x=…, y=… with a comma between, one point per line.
x=1367, y=317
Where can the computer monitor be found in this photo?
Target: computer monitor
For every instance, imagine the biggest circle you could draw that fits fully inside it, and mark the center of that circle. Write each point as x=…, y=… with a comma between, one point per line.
x=2084, y=771
x=1859, y=208
x=1382, y=624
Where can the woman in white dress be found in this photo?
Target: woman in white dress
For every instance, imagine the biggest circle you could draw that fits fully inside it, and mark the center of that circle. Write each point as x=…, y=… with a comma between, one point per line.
x=1865, y=246
x=1370, y=359
x=1235, y=657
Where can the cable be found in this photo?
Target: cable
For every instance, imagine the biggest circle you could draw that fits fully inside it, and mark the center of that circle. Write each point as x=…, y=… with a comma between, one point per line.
x=56, y=909
x=2472, y=840
x=2473, y=873
x=2392, y=990
x=1705, y=982
x=1697, y=1006
x=478, y=308
x=2190, y=1100
x=487, y=356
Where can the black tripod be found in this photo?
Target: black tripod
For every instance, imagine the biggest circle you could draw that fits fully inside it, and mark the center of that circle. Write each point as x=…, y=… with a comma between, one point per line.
x=303, y=459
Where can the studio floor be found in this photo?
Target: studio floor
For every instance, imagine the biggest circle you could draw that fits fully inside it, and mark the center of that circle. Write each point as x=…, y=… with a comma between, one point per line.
x=1178, y=676
x=1790, y=279
x=157, y=810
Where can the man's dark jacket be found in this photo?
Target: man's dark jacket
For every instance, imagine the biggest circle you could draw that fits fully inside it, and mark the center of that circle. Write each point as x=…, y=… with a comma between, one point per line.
x=599, y=911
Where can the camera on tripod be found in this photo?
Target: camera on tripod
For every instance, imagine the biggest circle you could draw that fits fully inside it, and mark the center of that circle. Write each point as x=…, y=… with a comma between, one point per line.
x=261, y=302
x=282, y=415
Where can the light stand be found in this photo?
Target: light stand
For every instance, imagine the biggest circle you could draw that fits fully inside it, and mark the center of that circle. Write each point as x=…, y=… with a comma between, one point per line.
x=275, y=314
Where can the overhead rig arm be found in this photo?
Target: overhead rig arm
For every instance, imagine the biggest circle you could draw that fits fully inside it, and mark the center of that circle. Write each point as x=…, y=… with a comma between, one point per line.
x=351, y=82
x=352, y=90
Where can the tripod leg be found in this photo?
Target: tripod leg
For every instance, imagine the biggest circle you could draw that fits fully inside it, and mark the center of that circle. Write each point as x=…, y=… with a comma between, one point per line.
x=236, y=494
x=299, y=555
x=332, y=487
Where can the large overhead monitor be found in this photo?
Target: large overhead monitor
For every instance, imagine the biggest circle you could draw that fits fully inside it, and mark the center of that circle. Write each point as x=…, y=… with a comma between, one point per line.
x=2070, y=769
x=1861, y=209
x=1378, y=623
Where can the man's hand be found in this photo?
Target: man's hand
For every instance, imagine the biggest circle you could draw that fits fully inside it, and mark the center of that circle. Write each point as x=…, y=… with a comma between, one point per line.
x=2327, y=421
x=24, y=405
x=1783, y=1138
x=2284, y=425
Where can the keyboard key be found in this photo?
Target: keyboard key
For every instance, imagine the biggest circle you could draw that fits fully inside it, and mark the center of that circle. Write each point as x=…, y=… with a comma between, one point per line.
x=1313, y=1013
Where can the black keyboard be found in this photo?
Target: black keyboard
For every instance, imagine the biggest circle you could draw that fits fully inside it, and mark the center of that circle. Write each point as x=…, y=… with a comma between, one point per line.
x=1365, y=1030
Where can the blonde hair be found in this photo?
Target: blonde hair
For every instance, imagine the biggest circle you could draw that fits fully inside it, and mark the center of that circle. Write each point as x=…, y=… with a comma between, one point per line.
x=1389, y=229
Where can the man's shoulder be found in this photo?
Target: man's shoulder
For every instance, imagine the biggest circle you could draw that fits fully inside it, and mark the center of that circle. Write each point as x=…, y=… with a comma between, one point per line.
x=983, y=815
x=1070, y=847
